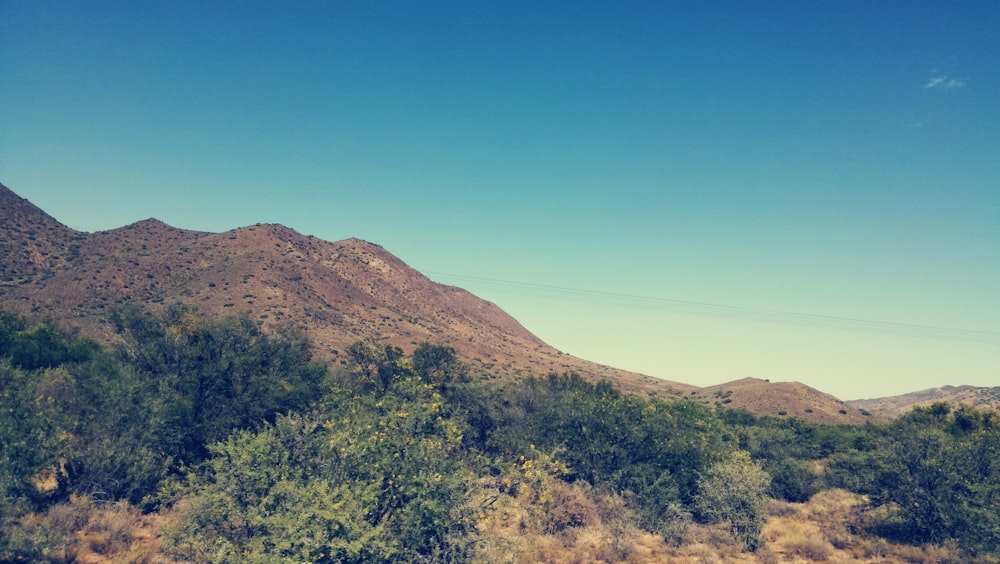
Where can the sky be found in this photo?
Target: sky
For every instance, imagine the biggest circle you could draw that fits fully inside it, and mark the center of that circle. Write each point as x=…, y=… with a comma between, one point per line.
x=699, y=191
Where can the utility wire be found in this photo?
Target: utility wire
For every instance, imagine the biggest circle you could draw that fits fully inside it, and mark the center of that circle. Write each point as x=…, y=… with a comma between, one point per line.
x=739, y=311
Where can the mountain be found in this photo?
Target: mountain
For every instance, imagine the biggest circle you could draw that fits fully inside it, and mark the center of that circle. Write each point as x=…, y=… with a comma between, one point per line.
x=340, y=292
x=982, y=397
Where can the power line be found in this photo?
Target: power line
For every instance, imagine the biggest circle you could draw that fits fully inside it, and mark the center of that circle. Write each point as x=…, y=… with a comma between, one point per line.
x=740, y=311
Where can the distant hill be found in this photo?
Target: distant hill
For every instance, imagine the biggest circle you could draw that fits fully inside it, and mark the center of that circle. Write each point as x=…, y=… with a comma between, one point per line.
x=982, y=397
x=340, y=292
x=781, y=399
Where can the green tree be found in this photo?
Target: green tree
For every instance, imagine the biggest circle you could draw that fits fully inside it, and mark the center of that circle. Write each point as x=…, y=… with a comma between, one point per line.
x=652, y=450
x=381, y=366
x=207, y=379
x=735, y=491
x=264, y=495
x=41, y=346
x=32, y=439
x=437, y=364
x=374, y=479
x=938, y=471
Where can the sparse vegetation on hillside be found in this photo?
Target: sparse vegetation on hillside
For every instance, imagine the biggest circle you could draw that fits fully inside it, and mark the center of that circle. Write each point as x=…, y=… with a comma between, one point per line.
x=201, y=440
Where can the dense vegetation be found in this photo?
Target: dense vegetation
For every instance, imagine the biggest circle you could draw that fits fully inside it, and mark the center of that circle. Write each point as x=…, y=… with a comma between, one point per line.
x=262, y=454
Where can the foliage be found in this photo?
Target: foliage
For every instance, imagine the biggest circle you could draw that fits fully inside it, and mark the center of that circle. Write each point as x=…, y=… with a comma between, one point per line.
x=938, y=473
x=651, y=450
x=380, y=366
x=372, y=481
x=256, y=496
x=735, y=491
x=790, y=450
x=794, y=480
x=41, y=346
x=212, y=378
x=29, y=458
x=528, y=513
x=38, y=408
x=114, y=426
x=437, y=365
x=270, y=456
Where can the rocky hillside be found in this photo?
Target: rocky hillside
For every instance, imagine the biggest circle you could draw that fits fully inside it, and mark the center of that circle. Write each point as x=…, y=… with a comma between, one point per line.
x=33, y=245
x=341, y=292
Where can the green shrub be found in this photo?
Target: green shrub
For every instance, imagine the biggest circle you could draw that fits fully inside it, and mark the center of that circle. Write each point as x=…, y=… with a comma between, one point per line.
x=735, y=491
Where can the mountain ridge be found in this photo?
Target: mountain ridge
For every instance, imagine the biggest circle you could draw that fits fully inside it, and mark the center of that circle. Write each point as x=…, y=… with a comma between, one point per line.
x=893, y=406
x=341, y=292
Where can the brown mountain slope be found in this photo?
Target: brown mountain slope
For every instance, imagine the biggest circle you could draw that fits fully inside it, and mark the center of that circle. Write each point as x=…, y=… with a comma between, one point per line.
x=340, y=292
x=894, y=406
x=32, y=243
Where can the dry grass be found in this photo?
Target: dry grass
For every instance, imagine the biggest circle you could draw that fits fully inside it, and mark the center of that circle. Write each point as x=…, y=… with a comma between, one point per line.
x=538, y=518
x=550, y=521
x=830, y=528
x=533, y=516
x=87, y=532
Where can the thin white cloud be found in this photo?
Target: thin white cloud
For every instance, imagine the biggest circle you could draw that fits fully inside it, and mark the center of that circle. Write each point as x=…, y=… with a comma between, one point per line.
x=935, y=82
x=944, y=82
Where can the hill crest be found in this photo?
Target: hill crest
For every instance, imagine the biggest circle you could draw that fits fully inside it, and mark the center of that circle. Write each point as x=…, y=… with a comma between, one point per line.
x=781, y=399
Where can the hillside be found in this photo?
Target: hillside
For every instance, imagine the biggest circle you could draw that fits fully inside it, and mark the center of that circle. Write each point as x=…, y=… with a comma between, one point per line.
x=32, y=243
x=340, y=292
x=894, y=406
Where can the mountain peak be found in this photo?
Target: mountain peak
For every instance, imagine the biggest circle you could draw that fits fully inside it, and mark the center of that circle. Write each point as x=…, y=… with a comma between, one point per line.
x=151, y=223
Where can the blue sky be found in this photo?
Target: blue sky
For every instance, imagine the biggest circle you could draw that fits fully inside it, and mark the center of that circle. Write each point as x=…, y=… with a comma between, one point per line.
x=700, y=191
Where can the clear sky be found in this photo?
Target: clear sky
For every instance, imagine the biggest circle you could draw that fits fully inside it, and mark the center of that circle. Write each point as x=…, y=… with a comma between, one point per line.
x=701, y=191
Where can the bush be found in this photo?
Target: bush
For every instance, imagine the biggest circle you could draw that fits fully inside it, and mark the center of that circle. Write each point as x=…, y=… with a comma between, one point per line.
x=793, y=480
x=375, y=480
x=735, y=491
